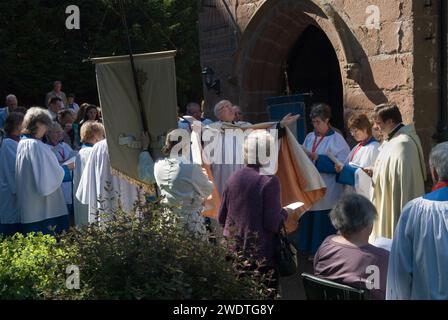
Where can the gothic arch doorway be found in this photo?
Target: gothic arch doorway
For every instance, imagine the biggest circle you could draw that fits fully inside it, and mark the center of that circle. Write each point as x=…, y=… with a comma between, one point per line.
x=299, y=35
x=314, y=67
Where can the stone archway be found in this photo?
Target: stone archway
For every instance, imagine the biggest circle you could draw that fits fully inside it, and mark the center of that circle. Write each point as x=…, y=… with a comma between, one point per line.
x=313, y=68
x=266, y=46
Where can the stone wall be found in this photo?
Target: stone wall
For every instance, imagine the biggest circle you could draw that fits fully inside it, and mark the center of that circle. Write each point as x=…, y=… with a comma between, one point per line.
x=395, y=60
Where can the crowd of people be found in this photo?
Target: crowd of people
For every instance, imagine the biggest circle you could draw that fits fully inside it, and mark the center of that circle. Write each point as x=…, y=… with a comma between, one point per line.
x=54, y=168
x=39, y=148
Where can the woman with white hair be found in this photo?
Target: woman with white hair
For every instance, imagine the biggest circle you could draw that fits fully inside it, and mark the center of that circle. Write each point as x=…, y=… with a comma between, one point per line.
x=39, y=177
x=347, y=257
x=251, y=211
x=183, y=185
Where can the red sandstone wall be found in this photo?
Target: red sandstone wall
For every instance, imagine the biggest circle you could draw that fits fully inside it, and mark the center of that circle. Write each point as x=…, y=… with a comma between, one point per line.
x=398, y=60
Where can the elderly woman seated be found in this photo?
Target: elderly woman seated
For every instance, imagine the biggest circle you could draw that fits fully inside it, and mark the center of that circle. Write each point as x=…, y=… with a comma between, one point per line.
x=347, y=257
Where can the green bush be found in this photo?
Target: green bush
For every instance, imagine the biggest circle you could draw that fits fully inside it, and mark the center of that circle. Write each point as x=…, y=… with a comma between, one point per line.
x=28, y=264
x=146, y=255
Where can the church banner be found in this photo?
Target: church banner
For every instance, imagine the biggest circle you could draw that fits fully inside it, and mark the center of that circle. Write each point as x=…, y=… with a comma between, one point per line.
x=119, y=104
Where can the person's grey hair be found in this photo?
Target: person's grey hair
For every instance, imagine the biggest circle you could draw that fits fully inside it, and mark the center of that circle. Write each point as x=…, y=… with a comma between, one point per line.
x=10, y=97
x=352, y=214
x=438, y=160
x=192, y=105
x=33, y=116
x=219, y=106
x=256, y=147
x=320, y=110
x=54, y=126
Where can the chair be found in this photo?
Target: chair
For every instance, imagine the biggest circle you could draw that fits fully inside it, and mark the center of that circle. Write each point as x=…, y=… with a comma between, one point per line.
x=320, y=289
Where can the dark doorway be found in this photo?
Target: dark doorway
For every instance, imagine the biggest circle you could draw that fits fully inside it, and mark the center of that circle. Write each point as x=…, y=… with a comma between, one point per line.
x=314, y=67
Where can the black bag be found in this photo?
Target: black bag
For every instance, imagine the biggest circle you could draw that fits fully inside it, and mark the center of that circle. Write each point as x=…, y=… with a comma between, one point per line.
x=285, y=255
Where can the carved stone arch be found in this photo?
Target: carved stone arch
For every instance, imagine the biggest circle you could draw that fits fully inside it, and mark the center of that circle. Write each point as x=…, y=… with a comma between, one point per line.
x=320, y=13
x=267, y=40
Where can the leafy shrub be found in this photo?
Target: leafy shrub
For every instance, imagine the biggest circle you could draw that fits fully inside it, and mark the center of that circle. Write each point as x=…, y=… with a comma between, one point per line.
x=145, y=255
x=28, y=264
x=148, y=255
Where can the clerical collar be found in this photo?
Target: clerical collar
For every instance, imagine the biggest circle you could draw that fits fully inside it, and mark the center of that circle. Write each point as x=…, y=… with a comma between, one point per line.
x=395, y=130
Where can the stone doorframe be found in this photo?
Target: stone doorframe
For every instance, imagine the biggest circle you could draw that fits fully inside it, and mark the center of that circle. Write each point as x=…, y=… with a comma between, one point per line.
x=272, y=31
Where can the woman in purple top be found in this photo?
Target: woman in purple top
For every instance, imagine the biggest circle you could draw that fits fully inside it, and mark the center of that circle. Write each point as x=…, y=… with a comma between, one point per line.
x=250, y=210
x=348, y=257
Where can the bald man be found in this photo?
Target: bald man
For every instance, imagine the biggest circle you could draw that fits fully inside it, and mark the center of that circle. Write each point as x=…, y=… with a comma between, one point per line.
x=193, y=113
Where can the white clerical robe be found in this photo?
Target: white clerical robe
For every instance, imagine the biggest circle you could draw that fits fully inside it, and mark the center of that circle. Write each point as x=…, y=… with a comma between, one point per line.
x=335, y=143
x=9, y=212
x=418, y=261
x=228, y=156
x=364, y=157
x=103, y=191
x=398, y=177
x=81, y=210
x=64, y=152
x=38, y=179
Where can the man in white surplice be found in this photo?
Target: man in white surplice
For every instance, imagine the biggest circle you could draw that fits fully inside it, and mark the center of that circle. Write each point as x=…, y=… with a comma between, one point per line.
x=418, y=261
x=221, y=169
x=38, y=178
x=103, y=191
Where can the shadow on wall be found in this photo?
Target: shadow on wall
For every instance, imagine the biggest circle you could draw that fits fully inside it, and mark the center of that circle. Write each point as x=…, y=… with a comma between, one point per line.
x=358, y=66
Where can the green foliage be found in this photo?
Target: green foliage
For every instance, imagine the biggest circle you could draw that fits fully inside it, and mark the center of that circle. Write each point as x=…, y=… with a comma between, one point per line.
x=28, y=264
x=37, y=48
x=147, y=255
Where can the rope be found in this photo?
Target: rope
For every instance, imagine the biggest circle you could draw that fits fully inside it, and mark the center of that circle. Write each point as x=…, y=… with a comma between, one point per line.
x=134, y=73
x=99, y=31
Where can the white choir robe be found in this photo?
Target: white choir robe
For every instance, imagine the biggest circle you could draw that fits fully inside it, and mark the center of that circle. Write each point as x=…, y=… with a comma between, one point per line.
x=101, y=190
x=63, y=152
x=81, y=210
x=365, y=157
x=9, y=212
x=335, y=143
x=418, y=261
x=38, y=179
